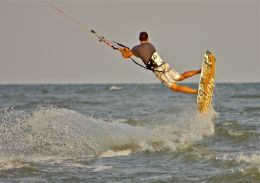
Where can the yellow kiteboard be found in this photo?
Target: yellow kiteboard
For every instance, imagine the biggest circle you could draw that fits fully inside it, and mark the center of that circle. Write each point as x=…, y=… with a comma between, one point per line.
x=206, y=85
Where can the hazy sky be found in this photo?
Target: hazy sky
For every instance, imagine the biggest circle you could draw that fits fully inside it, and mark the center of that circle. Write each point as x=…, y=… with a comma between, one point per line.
x=39, y=45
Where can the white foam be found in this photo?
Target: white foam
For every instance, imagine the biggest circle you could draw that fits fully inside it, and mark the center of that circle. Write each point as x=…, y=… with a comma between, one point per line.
x=13, y=163
x=235, y=133
x=102, y=168
x=188, y=128
x=111, y=153
x=253, y=159
x=115, y=87
x=63, y=133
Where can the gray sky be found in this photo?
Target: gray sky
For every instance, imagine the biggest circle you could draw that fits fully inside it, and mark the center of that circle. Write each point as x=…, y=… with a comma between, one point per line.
x=39, y=45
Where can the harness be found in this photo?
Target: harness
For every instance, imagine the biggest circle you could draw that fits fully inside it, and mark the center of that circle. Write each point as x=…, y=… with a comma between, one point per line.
x=154, y=62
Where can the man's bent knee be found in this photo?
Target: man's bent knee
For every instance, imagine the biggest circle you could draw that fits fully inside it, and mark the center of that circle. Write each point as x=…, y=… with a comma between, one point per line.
x=174, y=87
x=181, y=78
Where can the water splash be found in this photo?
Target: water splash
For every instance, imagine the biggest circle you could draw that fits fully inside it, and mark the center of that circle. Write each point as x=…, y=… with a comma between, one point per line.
x=63, y=133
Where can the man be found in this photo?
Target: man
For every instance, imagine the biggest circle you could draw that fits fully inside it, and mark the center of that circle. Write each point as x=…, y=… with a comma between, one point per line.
x=168, y=76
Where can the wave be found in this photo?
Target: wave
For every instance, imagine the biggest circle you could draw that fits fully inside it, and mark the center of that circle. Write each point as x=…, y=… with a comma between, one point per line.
x=114, y=87
x=246, y=96
x=63, y=133
x=252, y=109
x=253, y=159
x=249, y=163
x=111, y=153
x=10, y=164
x=237, y=135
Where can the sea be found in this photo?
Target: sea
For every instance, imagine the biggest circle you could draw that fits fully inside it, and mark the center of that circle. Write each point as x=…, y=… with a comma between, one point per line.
x=120, y=133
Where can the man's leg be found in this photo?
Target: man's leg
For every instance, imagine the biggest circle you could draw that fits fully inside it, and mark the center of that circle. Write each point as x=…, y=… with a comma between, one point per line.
x=169, y=78
x=188, y=74
x=183, y=89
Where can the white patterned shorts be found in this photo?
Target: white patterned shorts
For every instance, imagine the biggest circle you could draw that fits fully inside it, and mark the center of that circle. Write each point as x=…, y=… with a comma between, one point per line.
x=167, y=75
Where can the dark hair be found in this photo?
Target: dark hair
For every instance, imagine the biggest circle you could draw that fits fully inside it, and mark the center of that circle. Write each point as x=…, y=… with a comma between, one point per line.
x=143, y=36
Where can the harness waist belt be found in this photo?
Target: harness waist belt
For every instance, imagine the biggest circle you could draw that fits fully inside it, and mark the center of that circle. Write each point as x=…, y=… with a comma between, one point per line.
x=154, y=62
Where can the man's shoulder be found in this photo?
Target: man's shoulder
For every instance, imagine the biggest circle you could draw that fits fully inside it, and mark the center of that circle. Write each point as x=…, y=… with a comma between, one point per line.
x=143, y=45
x=136, y=47
x=135, y=50
x=148, y=44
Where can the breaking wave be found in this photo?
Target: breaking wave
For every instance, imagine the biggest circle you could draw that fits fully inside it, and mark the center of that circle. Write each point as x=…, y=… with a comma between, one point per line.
x=114, y=87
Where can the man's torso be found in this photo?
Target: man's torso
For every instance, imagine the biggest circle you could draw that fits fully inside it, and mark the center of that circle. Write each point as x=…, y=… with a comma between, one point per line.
x=144, y=51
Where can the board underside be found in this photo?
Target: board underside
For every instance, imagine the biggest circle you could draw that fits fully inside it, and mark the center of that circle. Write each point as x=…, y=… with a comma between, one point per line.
x=206, y=84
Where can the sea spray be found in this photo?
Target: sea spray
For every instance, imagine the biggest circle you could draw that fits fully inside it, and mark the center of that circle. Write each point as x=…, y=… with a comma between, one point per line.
x=188, y=126
x=59, y=132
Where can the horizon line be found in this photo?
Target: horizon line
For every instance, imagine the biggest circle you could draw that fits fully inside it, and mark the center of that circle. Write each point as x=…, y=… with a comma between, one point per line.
x=124, y=83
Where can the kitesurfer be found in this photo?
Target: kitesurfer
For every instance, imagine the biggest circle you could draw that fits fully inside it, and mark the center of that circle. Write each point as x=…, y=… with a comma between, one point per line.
x=167, y=75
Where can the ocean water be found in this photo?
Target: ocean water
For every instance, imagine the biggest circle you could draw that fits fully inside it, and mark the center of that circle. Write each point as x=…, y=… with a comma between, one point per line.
x=128, y=133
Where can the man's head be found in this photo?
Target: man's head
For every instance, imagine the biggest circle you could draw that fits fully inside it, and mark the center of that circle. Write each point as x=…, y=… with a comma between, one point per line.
x=143, y=36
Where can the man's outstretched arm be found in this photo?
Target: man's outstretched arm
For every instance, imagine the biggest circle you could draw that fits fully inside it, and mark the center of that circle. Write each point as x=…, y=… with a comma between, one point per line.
x=126, y=53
